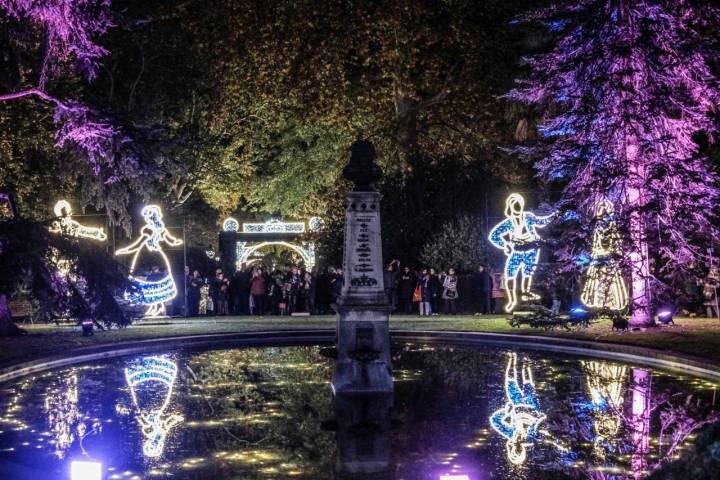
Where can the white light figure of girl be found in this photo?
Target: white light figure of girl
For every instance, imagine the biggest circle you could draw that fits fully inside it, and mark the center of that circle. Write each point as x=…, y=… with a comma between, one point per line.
x=605, y=287
x=519, y=419
x=65, y=224
x=518, y=237
x=153, y=293
x=151, y=383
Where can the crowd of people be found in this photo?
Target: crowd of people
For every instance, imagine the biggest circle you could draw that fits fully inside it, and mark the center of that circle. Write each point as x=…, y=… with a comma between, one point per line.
x=256, y=290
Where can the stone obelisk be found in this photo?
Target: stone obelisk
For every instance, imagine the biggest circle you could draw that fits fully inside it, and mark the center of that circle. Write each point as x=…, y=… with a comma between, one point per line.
x=363, y=339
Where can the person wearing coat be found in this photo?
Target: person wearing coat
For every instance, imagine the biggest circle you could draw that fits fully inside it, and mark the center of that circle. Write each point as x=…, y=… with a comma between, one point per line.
x=426, y=293
x=450, y=292
x=407, y=284
x=435, y=291
x=390, y=283
x=258, y=290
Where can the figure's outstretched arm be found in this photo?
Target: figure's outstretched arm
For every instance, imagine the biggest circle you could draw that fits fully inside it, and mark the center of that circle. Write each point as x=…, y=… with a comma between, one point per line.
x=172, y=241
x=543, y=220
x=133, y=247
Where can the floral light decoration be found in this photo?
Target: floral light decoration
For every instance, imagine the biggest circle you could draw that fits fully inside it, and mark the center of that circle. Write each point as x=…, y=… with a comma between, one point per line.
x=230, y=225
x=518, y=237
x=151, y=383
x=604, y=285
x=65, y=224
x=518, y=420
x=152, y=292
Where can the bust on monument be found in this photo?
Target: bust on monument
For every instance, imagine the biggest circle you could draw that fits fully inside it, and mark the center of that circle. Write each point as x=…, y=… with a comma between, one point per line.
x=362, y=169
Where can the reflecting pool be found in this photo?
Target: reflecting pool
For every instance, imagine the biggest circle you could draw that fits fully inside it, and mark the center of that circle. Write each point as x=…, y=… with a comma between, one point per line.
x=458, y=413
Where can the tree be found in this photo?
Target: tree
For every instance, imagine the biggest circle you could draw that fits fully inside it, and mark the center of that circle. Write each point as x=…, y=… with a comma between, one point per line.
x=626, y=93
x=458, y=244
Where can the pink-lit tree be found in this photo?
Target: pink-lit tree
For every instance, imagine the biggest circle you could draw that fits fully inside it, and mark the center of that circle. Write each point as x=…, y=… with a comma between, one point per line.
x=627, y=96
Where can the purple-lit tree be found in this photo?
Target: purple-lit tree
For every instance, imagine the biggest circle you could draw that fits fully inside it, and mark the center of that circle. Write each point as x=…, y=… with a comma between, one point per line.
x=627, y=94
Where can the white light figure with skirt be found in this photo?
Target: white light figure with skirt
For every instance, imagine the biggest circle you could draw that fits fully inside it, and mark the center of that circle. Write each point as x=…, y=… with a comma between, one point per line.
x=604, y=286
x=519, y=419
x=518, y=238
x=153, y=293
x=65, y=224
x=151, y=383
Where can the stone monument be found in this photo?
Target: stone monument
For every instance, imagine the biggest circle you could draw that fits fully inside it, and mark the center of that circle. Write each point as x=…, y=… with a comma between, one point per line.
x=363, y=364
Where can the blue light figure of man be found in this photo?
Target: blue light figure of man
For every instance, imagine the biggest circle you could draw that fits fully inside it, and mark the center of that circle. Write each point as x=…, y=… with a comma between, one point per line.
x=518, y=238
x=519, y=419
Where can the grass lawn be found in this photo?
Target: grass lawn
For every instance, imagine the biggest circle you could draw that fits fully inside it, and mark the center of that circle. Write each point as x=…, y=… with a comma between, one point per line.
x=699, y=337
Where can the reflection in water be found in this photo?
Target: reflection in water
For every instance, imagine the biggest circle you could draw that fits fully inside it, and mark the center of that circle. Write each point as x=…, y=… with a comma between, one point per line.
x=605, y=383
x=640, y=421
x=519, y=419
x=151, y=382
x=61, y=405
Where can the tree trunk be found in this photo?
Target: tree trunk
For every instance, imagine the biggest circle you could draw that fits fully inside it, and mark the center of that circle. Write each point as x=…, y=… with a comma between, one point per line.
x=638, y=255
x=6, y=323
x=640, y=422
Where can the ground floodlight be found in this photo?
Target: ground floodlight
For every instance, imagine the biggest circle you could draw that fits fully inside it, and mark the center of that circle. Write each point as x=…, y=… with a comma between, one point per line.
x=665, y=316
x=83, y=470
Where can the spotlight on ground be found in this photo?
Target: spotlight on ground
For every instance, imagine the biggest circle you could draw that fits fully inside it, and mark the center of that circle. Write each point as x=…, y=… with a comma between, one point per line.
x=82, y=470
x=87, y=327
x=578, y=313
x=665, y=316
x=454, y=476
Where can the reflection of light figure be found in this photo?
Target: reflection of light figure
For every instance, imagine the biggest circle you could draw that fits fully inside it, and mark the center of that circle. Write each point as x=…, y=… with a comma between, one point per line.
x=67, y=226
x=518, y=237
x=155, y=292
x=153, y=378
x=61, y=406
x=605, y=384
x=519, y=419
x=604, y=287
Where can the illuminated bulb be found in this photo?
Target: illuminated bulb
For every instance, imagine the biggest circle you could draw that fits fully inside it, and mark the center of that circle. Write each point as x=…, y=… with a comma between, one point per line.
x=82, y=470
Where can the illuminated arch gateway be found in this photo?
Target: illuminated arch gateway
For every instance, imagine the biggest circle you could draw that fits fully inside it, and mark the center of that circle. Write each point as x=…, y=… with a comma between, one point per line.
x=237, y=246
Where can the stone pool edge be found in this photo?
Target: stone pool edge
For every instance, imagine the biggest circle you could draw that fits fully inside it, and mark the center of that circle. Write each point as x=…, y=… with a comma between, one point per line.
x=667, y=360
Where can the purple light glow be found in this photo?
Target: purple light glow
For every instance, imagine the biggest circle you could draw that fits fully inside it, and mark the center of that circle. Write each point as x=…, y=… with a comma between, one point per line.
x=665, y=314
x=454, y=476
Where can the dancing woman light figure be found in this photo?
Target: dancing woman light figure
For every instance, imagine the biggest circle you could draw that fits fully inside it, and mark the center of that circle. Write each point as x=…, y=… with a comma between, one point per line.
x=65, y=224
x=153, y=293
x=604, y=285
x=517, y=236
x=519, y=419
x=151, y=383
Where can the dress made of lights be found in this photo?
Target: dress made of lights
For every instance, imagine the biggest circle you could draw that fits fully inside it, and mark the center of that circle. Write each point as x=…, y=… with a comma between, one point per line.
x=519, y=419
x=153, y=293
x=604, y=285
x=65, y=224
x=151, y=383
x=518, y=238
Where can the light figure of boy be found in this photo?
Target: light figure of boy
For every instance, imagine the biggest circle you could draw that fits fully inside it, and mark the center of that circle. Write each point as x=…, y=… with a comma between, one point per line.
x=518, y=238
x=519, y=419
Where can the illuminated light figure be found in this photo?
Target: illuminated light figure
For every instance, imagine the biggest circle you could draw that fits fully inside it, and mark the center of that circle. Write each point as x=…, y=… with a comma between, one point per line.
x=605, y=384
x=605, y=287
x=519, y=419
x=517, y=236
x=151, y=383
x=153, y=293
x=65, y=224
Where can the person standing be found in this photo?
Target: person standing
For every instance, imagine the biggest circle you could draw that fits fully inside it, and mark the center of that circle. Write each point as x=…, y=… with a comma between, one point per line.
x=450, y=292
x=497, y=291
x=482, y=287
x=292, y=282
x=258, y=290
x=193, y=293
x=390, y=283
x=407, y=286
x=435, y=292
x=336, y=284
x=426, y=293
x=308, y=288
x=223, y=295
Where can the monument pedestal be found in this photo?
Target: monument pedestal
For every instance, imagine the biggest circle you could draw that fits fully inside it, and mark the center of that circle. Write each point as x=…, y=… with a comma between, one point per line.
x=363, y=365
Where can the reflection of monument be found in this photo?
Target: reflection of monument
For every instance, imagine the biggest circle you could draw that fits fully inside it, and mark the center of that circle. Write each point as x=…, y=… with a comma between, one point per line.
x=151, y=382
x=154, y=292
x=518, y=237
x=363, y=338
x=65, y=224
x=519, y=419
x=604, y=285
x=363, y=436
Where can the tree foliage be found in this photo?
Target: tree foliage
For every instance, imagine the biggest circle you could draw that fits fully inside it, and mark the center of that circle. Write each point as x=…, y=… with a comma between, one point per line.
x=459, y=243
